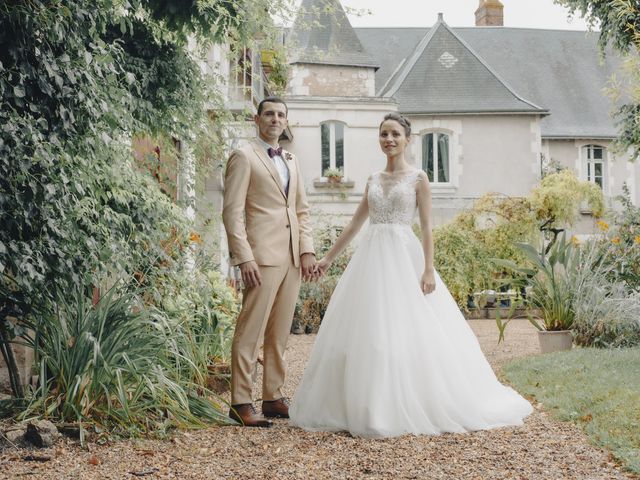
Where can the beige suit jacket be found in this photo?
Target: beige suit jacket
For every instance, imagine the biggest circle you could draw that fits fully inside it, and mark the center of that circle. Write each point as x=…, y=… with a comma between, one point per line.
x=262, y=222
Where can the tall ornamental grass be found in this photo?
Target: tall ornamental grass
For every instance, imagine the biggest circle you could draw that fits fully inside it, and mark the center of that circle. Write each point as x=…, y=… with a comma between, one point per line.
x=119, y=366
x=607, y=308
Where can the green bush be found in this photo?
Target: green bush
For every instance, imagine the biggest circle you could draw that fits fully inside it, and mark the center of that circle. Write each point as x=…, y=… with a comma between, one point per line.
x=461, y=259
x=465, y=248
x=200, y=300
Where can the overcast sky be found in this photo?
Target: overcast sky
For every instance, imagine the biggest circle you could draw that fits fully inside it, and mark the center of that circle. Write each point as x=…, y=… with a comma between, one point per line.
x=460, y=13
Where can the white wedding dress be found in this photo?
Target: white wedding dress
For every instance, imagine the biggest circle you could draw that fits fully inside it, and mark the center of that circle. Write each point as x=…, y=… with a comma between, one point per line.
x=389, y=360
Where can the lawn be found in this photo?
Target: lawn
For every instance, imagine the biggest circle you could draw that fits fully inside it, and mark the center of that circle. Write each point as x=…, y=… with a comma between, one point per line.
x=597, y=389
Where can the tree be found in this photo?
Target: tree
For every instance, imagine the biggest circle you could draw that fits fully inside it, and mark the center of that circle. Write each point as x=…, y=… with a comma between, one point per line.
x=556, y=202
x=619, y=23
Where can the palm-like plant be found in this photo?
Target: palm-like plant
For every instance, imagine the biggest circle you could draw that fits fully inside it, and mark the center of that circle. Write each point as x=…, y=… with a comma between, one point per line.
x=550, y=284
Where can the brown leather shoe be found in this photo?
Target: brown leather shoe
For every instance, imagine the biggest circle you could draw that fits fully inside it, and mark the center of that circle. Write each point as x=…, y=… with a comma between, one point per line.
x=276, y=408
x=246, y=415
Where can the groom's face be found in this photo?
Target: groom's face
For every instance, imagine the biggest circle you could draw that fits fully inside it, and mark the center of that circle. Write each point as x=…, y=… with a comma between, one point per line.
x=272, y=121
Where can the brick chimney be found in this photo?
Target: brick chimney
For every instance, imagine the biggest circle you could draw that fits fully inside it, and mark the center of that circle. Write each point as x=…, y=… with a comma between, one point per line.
x=490, y=14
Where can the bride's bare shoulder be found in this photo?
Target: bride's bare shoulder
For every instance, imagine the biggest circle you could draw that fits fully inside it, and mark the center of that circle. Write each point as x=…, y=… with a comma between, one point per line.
x=373, y=176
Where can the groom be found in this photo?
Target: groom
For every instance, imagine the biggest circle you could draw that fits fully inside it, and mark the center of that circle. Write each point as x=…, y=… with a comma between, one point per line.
x=266, y=217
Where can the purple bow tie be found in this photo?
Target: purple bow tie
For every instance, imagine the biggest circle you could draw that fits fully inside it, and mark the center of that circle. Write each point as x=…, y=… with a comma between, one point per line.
x=273, y=152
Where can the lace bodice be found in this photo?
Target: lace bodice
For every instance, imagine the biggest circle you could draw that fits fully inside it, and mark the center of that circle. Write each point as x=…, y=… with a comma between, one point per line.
x=392, y=200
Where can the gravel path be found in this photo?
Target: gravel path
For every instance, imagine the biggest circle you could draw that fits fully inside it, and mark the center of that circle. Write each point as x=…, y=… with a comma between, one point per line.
x=541, y=449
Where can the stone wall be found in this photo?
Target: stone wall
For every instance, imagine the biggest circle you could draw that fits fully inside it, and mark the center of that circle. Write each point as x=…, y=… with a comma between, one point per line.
x=331, y=81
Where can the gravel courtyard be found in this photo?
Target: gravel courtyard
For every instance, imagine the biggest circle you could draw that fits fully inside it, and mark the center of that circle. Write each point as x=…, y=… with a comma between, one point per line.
x=542, y=449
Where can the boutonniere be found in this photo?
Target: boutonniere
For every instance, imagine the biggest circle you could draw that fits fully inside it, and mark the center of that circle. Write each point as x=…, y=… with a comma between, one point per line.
x=288, y=156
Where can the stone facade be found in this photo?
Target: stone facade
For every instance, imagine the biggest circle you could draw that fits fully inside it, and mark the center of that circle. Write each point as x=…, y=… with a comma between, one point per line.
x=331, y=81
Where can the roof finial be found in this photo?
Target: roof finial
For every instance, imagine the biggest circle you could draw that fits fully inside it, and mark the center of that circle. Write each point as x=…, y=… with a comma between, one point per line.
x=440, y=19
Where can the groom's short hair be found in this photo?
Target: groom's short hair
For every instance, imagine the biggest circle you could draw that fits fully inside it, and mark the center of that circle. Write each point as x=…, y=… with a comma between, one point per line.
x=272, y=100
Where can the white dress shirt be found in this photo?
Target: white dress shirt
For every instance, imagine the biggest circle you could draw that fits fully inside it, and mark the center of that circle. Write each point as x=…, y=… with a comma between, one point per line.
x=280, y=164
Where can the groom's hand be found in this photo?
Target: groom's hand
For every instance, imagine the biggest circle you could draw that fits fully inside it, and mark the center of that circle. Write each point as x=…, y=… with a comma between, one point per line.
x=308, y=265
x=250, y=272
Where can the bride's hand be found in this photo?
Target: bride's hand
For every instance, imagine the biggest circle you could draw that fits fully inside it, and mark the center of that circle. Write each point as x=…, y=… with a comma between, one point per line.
x=428, y=281
x=322, y=266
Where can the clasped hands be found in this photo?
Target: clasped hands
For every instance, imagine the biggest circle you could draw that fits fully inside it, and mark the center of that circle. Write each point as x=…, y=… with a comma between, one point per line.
x=311, y=270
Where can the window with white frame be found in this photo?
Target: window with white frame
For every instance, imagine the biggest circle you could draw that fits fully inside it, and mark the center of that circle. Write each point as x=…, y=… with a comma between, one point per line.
x=594, y=157
x=435, y=156
x=332, y=145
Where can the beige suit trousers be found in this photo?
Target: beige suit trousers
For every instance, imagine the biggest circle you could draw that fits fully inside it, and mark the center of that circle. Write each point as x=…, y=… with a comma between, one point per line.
x=266, y=309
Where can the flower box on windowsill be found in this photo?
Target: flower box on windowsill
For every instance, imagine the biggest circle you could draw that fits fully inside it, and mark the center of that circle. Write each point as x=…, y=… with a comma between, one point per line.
x=325, y=183
x=586, y=210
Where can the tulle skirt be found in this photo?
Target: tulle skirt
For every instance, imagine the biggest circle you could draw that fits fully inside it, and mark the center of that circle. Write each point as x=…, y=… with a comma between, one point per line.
x=389, y=360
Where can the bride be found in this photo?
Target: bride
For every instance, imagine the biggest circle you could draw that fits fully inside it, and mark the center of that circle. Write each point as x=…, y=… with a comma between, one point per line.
x=394, y=354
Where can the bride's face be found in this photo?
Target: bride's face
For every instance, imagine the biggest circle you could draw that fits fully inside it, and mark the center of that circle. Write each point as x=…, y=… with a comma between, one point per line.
x=393, y=139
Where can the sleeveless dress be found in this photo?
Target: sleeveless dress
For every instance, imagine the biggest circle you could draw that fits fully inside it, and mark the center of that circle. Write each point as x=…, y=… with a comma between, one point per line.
x=389, y=360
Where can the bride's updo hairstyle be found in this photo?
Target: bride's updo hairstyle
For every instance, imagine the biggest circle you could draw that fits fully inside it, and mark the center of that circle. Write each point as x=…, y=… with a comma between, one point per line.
x=396, y=117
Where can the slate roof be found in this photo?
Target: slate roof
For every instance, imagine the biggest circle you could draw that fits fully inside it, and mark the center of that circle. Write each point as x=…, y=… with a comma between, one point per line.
x=444, y=75
x=553, y=69
x=322, y=34
x=561, y=70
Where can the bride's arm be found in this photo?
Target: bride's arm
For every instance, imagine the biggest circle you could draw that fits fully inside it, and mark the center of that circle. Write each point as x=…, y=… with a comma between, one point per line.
x=350, y=231
x=423, y=195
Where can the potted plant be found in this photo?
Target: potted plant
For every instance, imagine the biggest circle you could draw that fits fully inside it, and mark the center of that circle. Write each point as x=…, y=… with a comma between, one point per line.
x=334, y=175
x=549, y=286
